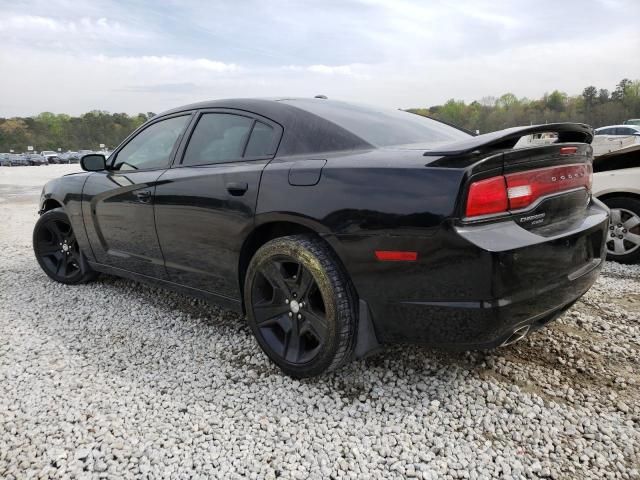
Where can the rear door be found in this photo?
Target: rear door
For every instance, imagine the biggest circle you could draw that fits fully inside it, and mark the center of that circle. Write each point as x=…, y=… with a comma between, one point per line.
x=119, y=218
x=205, y=204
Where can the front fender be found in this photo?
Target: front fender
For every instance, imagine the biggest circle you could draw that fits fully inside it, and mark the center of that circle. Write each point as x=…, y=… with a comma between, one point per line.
x=66, y=191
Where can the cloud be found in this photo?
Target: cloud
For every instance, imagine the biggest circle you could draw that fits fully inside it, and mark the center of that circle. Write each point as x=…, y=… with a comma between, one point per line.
x=141, y=56
x=329, y=70
x=168, y=62
x=185, y=87
x=25, y=27
x=355, y=70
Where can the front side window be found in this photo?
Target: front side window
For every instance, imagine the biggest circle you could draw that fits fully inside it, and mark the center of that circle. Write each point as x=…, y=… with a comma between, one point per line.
x=218, y=138
x=152, y=147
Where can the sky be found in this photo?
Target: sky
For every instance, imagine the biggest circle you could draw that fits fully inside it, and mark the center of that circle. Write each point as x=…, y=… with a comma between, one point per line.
x=72, y=56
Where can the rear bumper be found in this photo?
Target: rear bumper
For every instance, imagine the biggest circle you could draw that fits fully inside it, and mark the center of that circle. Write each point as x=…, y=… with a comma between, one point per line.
x=489, y=323
x=473, y=286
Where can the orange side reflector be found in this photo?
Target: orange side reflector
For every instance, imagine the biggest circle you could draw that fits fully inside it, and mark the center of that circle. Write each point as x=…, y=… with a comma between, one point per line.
x=396, y=256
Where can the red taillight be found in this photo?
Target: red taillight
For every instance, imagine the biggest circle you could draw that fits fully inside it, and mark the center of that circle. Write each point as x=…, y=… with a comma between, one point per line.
x=487, y=196
x=396, y=256
x=524, y=188
x=515, y=191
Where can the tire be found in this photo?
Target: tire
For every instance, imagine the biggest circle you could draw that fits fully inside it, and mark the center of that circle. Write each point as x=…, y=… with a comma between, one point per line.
x=57, y=250
x=623, y=240
x=301, y=305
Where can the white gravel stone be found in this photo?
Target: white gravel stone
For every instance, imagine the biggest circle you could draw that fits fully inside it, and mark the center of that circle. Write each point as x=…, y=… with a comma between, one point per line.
x=119, y=380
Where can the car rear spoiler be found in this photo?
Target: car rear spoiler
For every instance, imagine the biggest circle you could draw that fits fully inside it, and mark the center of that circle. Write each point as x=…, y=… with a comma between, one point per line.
x=507, y=138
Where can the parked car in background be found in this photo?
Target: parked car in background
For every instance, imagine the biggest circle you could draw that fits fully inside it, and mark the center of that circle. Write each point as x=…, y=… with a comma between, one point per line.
x=616, y=182
x=619, y=130
x=70, y=157
x=632, y=121
x=36, y=159
x=5, y=159
x=18, y=159
x=337, y=227
x=51, y=156
x=613, y=138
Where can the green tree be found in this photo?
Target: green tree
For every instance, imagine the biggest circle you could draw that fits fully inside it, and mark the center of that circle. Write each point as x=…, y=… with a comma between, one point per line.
x=556, y=101
x=15, y=134
x=590, y=94
x=603, y=95
x=508, y=100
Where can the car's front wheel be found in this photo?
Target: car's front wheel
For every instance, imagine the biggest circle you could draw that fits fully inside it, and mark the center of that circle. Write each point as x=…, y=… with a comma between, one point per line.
x=57, y=250
x=623, y=240
x=301, y=305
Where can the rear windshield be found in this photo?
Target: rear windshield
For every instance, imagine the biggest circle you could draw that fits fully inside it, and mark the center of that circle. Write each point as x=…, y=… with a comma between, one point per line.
x=382, y=127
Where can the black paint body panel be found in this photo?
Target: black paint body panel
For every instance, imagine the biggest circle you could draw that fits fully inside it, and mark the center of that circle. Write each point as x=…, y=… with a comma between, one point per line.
x=473, y=283
x=121, y=226
x=201, y=226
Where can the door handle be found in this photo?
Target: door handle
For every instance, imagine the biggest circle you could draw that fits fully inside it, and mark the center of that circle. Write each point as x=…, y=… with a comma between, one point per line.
x=237, y=189
x=144, y=195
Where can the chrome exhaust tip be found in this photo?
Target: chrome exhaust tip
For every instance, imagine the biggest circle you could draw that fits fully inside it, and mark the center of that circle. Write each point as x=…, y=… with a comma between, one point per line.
x=518, y=334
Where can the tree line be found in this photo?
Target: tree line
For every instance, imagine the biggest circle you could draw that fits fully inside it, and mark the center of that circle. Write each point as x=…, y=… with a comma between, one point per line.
x=49, y=131
x=595, y=106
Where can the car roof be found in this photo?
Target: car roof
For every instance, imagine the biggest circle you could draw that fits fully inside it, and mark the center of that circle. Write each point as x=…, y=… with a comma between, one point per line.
x=311, y=125
x=257, y=105
x=312, y=134
x=637, y=127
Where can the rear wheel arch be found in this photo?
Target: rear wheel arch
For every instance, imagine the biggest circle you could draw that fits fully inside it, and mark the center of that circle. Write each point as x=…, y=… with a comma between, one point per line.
x=271, y=230
x=260, y=235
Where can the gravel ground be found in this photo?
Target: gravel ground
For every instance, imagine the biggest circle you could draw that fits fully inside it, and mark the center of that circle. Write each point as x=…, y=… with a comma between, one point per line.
x=120, y=380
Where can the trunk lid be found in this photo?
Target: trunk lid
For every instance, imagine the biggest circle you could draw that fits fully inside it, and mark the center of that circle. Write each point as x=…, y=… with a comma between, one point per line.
x=547, y=186
x=566, y=185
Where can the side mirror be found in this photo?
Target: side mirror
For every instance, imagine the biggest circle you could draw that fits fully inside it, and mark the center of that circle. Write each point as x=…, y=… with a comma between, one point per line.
x=94, y=162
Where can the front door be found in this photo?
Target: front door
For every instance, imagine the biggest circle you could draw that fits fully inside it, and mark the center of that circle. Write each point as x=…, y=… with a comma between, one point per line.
x=118, y=206
x=205, y=205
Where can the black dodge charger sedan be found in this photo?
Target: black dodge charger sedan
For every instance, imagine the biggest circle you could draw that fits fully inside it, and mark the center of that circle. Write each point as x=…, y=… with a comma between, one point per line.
x=337, y=228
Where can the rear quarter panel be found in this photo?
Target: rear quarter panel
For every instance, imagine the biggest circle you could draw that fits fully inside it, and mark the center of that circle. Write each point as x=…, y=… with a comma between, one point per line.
x=366, y=193
x=379, y=200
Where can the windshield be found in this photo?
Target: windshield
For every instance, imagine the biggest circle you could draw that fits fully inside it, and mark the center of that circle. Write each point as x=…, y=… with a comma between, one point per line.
x=382, y=127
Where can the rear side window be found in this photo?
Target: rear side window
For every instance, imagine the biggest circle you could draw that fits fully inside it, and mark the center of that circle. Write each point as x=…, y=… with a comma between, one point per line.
x=382, y=127
x=218, y=138
x=261, y=143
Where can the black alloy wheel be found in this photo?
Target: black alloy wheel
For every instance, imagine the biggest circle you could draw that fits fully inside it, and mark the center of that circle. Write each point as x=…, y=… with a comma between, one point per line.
x=300, y=305
x=289, y=310
x=57, y=250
